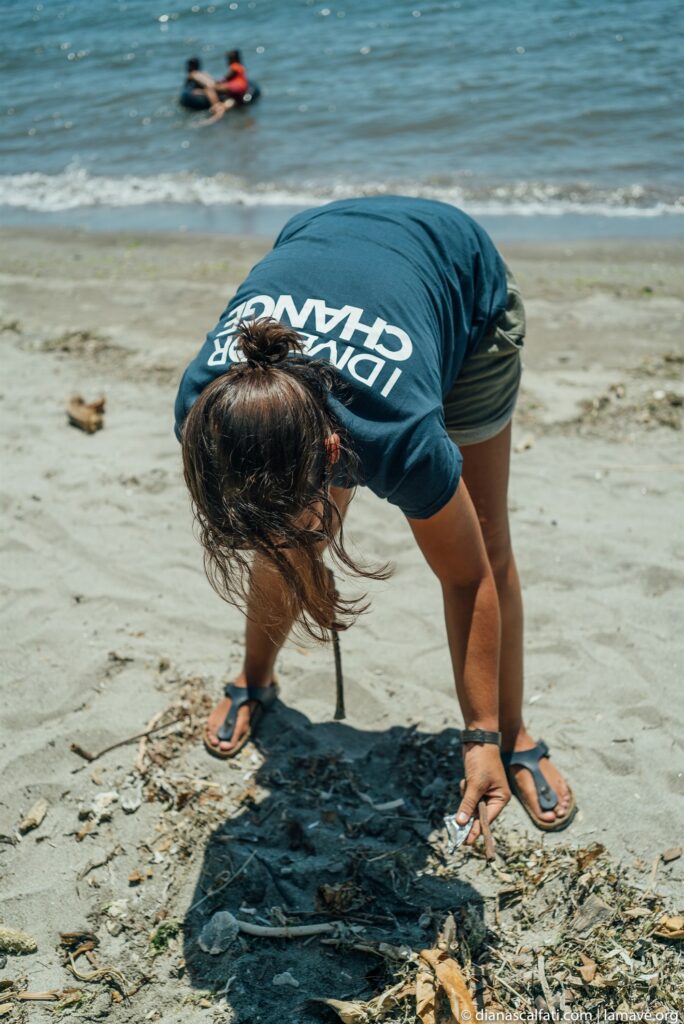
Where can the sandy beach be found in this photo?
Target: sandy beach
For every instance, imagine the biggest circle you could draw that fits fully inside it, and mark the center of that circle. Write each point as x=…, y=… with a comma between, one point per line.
x=109, y=625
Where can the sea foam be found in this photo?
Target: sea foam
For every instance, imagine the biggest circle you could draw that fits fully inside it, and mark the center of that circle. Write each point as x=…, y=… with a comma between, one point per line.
x=76, y=188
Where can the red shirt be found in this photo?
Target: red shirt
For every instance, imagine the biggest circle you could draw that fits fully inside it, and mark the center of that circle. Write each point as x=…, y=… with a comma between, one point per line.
x=238, y=78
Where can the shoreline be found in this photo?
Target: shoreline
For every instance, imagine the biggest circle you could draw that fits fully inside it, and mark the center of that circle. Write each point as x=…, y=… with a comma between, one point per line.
x=265, y=221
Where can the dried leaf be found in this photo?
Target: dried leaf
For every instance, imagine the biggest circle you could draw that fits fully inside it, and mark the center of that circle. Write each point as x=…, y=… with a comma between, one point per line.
x=349, y=1013
x=588, y=969
x=34, y=817
x=426, y=994
x=358, y=1012
x=88, y=827
x=634, y=913
x=589, y=855
x=447, y=937
x=593, y=912
x=670, y=928
x=454, y=984
x=673, y=853
x=448, y=977
x=87, y=416
x=341, y=898
x=208, y=795
x=75, y=940
x=135, y=877
x=5, y=1009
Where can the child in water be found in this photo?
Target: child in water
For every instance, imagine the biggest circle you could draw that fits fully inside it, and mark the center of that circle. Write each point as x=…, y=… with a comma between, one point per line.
x=234, y=83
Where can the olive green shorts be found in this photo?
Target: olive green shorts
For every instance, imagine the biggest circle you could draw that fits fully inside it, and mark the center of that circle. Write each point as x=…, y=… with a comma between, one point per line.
x=481, y=402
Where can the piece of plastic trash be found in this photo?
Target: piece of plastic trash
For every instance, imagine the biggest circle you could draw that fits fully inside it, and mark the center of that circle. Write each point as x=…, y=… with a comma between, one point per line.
x=456, y=834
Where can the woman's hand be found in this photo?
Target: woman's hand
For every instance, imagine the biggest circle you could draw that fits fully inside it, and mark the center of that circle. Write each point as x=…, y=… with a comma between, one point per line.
x=485, y=779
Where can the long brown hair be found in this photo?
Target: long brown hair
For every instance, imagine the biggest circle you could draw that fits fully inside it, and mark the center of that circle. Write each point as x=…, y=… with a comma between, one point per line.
x=257, y=464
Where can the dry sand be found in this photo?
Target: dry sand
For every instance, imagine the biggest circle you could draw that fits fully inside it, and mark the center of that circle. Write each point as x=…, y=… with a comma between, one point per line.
x=107, y=614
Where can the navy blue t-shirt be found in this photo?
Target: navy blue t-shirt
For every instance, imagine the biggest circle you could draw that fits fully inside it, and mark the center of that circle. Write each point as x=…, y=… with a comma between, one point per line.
x=395, y=292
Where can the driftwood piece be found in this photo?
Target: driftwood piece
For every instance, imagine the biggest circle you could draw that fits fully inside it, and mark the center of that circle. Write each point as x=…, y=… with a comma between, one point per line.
x=34, y=817
x=87, y=416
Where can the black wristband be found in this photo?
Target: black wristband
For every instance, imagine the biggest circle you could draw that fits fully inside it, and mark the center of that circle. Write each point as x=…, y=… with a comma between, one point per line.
x=480, y=736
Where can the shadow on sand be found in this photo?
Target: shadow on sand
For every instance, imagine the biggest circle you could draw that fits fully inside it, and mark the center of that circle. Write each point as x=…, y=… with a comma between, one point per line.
x=334, y=826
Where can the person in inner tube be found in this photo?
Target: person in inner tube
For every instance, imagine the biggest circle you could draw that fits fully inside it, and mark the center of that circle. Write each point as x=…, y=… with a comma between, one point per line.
x=234, y=83
x=199, y=83
x=229, y=90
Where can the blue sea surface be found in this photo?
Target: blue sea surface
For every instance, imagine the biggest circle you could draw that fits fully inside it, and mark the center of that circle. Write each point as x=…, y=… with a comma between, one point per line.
x=506, y=108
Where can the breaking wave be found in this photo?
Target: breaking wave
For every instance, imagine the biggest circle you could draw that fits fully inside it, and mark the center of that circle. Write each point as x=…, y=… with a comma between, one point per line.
x=76, y=188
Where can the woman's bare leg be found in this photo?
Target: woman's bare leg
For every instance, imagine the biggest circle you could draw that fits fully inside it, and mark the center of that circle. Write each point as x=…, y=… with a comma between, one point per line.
x=486, y=472
x=267, y=629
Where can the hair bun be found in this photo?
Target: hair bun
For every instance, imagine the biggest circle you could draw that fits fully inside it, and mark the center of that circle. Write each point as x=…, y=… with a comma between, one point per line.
x=266, y=342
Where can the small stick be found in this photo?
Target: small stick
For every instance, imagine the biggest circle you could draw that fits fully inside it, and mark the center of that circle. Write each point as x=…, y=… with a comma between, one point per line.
x=510, y=989
x=490, y=848
x=40, y=997
x=92, y=864
x=544, y=983
x=340, y=712
x=142, y=746
x=76, y=749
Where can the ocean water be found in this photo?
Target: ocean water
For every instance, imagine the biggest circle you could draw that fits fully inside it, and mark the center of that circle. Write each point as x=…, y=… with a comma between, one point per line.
x=510, y=109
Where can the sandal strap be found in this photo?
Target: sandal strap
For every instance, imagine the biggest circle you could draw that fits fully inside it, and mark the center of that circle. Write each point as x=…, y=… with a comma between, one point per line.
x=529, y=759
x=240, y=695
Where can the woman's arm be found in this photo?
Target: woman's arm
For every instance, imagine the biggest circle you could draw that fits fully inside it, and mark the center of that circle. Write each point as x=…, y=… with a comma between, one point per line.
x=453, y=546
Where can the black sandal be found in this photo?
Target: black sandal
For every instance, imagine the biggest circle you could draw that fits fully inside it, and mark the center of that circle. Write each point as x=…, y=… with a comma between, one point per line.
x=239, y=695
x=546, y=795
